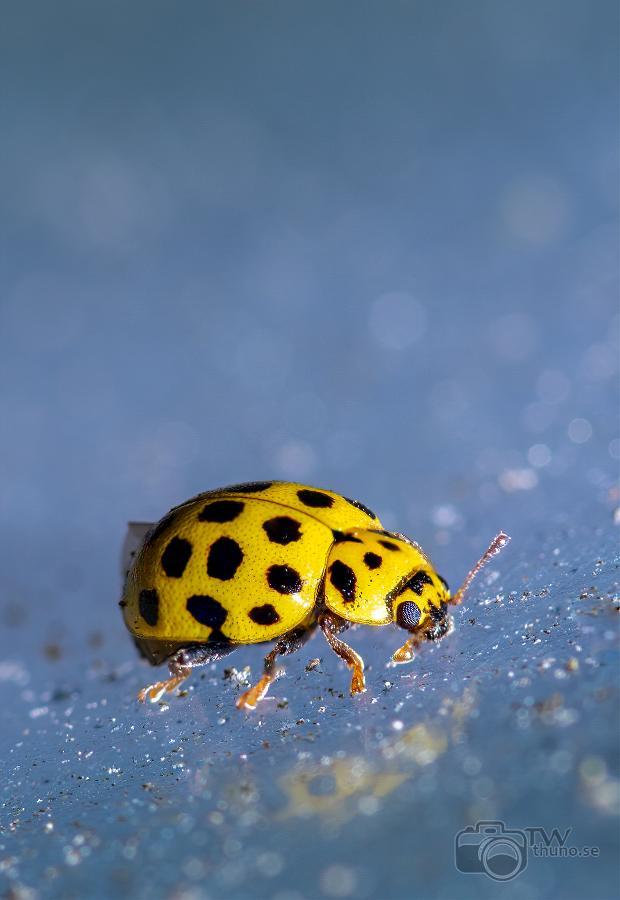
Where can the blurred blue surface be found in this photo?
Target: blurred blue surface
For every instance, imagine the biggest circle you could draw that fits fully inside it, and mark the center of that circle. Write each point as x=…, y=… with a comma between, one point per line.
x=368, y=246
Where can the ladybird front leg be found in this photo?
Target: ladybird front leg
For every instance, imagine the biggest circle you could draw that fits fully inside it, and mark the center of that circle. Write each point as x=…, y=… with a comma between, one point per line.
x=406, y=653
x=331, y=624
x=290, y=643
x=181, y=665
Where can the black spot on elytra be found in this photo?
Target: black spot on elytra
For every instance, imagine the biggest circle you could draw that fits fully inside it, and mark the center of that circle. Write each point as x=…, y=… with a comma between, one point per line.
x=221, y=511
x=372, y=560
x=175, y=557
x=343, y=579
x=444, y=582
x=416, y=583
x=224, y=559
x=249, y=487
x=282, y=530
x=284, y=580
x=341, y=537
x=358, y=505
x=264, y=615
x=316, y=499
x=148, y=604
x=206, y=610
x=159, y=529
x=408, y=614
x=389, y=545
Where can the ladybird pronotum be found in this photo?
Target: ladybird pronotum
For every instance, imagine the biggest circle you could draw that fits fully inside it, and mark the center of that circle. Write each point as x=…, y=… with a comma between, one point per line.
x=273, y=560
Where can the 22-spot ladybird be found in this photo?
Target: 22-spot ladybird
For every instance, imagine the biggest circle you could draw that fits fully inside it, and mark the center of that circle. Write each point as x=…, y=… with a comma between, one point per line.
x=272, y=560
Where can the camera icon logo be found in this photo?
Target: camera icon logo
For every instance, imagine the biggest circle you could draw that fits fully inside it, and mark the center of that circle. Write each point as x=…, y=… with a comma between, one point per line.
x=487, y=848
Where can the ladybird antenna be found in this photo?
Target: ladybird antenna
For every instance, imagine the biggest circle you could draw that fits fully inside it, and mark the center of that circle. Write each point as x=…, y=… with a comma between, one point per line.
x=497, y=544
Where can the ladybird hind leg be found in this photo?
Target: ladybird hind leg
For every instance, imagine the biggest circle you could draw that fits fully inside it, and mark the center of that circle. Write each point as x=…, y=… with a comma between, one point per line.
x=290, y=643
x=331, y=625
x=440, y=627
x=180, y=666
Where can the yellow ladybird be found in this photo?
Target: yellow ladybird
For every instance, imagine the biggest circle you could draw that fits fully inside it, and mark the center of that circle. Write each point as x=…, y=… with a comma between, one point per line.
x=273, y=560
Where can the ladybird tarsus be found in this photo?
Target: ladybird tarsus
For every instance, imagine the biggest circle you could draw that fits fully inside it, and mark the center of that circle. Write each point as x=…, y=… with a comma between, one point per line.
x=290, y=643
x=154, y=692
x=180, y=666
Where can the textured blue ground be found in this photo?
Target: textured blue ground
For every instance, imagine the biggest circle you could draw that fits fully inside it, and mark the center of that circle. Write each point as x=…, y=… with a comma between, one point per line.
x=372, y=248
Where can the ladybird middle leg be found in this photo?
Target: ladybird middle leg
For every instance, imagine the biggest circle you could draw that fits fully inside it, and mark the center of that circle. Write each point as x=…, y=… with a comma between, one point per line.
x=331, y=625
x=290, y=643
x=180, y=666
x=441, y=626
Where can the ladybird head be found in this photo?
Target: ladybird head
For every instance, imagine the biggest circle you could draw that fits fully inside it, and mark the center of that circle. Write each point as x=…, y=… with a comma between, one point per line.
x=375, y=577
x=432, y=590
x=419, y=597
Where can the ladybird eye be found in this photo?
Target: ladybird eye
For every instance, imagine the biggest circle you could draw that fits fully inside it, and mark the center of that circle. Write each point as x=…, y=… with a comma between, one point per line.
x=408, y=614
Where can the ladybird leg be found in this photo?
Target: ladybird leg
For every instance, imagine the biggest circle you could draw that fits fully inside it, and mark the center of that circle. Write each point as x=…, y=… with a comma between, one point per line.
x=331, y=625
x=181, y=665
x=250, y=698
x=406, y=653
x=154, y=692
x=290, y=643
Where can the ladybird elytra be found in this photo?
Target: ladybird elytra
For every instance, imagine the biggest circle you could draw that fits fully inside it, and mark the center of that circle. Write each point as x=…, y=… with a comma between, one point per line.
x=265, y=561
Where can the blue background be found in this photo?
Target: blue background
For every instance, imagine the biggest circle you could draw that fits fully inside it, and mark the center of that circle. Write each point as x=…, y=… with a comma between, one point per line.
x=366, y=246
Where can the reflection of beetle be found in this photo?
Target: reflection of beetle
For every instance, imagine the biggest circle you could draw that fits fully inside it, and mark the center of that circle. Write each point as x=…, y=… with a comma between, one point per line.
x=265, y=560
x=326, y=790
